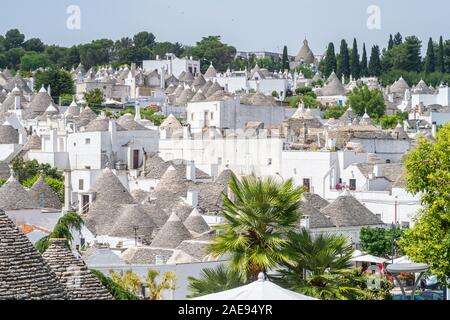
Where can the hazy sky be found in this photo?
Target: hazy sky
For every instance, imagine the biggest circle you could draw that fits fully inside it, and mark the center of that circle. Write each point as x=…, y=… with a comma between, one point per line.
x=246, y=24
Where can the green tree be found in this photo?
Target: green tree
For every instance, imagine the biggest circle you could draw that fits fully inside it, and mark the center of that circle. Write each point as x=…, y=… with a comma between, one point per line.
x=398, y=39
x=156, y=289
x=55, y=184
x=147, y=113
x=405, y=56
x=330, y=63
x=391, y=121
x=25, y=170
x=258, y=216
x=161, y=48
x=98, y=52
x=440, y=58
x=285, y=60
x=363, y=99
x=343, y=63
x=118, y=292
x=354, y=61
x=144, y=39
x=428, y=174
x=34, y=44
x=215, y=280
x=129, y=280
x=33, y=60
x=59, y=80
x=69, y=222
x=364, y=69
x=211, y=49
x=320, y=267
x=375, y=62
x=430, y=61
x=13, y=39
x=13, y=57
x=378, y=241
x=334, y=111
x=94, y=98
x=391, y=42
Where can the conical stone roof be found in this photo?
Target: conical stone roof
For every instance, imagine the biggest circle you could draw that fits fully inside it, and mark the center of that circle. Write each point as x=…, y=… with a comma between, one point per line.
x=40, y=102
x=133, y=220
x=171, y=234
x=8, y=135
x=346, y=211
x=211, y=72
x=73, y=274
x=43, y=195
x=199, y=81
x=171, y=122
x=13, y=196
x=305, y=54
x=213, y=89
x=110, y=194
x=24, y=275
x=170, y=89
x=198, y=97
x=196, y=223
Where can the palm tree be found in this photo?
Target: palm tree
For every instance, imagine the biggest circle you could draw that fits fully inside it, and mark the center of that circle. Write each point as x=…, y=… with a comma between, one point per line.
x=258, y=215
x=129, y=280
x=321, y=268
x=62, y=230
x=215, y=280
x=155, y=289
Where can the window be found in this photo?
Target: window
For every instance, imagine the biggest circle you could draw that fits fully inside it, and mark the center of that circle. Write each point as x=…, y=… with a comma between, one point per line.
x=269, y=161
x=192, y=116
x=87, y=141
x=405, y=225
x=388, y=160
x=87, y=167
x=80, y=184
x=212, y=115
x=352, y=184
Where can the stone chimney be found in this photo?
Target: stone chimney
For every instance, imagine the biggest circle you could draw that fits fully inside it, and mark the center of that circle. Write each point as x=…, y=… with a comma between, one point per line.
x=377, y=171
x=190, y=171
x=434, y=129
x=192, y=198
x=67, y=190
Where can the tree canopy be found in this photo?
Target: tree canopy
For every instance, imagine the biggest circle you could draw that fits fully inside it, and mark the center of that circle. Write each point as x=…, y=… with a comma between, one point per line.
x=362, y=99
x=212, y=50
x=428, y=174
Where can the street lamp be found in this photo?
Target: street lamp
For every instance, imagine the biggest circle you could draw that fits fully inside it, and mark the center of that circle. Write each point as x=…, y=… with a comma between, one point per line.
x=394, y=238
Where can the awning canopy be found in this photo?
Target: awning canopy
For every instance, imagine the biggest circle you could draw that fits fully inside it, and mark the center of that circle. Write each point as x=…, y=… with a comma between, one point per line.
x=258, y=290
x=368, y=258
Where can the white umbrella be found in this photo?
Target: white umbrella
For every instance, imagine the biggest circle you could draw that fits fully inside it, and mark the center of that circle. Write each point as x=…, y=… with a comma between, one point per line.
x=357, y=253
x=258, y=290
x=368, y=258
x=403, y=259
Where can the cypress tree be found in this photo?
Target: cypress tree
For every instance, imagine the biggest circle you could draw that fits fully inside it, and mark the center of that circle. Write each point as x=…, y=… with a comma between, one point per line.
x=430, y=62
x=285, y=59
x=343, y=67
x=375, y=63
x=398, y=39
x=364, y=71
x=440, y=62
x=391, y=42
x=330, y=60
x=355, y=61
